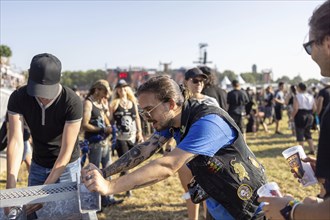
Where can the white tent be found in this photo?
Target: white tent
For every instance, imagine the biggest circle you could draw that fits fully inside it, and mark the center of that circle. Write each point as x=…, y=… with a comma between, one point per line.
x=241, y=80
x=225, y=83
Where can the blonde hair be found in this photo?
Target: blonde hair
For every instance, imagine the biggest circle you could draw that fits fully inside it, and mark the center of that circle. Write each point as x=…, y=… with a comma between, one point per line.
x=130, y=96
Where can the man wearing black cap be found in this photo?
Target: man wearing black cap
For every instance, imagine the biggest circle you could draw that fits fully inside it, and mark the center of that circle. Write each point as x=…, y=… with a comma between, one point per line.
x=53, y=113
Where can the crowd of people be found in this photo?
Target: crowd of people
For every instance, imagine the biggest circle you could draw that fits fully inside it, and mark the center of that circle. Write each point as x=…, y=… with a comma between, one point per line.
x=201, y=127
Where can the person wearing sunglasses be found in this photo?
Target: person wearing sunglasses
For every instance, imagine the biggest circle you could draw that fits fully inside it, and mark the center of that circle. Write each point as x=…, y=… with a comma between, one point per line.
x=312, y=208
x=194, y=83
x=226, y=172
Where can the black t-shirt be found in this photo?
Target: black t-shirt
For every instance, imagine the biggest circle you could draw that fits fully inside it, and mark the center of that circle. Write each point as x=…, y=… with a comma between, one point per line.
x=323, y=155
x=219, y=94
x=47, y=123
x=237, y=99
x=325, y=93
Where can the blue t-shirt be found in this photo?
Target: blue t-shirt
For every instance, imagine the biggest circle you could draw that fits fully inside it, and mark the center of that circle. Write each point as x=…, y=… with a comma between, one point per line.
x=205, y=137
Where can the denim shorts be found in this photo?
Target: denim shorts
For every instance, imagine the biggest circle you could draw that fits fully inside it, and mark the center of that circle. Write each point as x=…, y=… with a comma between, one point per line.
x=38, y=174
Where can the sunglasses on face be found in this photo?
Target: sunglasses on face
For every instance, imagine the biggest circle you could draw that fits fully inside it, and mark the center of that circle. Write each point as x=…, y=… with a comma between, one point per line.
x=308, y=46
x=146, y=114
x=195, y=80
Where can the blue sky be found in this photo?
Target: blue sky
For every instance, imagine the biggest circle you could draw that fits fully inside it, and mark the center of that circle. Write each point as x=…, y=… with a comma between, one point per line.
x=94, y=34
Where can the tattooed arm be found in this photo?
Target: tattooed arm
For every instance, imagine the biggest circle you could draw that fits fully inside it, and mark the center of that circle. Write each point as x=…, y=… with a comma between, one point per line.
x=136, y=155
x=155, y=171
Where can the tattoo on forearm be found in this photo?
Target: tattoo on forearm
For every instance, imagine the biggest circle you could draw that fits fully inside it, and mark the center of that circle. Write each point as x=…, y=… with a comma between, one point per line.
x=146, y=184
x=135, y=156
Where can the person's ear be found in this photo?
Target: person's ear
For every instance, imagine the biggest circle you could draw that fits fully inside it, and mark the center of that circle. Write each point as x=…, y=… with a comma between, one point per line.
x=327, y=43
x=172, y=104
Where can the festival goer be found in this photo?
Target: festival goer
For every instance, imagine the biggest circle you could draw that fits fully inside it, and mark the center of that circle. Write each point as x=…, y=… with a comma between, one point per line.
x=251, y=103
x=323, y=98
x=97, y=128
x=278, y=107
x=269, y=105
x=302, y=114
x=212, y=89
x=319, y=49
x=237, y=99
x=125, y=115
x=194, y=83
x=223, y=166
x=289, y=103
x=53, y=113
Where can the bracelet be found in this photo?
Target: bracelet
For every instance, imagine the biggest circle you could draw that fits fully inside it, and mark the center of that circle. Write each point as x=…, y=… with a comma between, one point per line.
x=293, y=209
x=286, y=211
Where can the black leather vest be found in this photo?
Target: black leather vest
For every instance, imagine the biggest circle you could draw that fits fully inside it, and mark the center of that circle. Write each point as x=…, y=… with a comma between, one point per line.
x=233, y=175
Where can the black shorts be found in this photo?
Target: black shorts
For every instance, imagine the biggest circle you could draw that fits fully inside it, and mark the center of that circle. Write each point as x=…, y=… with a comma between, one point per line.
x=278, y=113
x=302, y=133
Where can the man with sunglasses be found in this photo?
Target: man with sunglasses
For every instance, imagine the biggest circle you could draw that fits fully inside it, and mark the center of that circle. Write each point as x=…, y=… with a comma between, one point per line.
x=312, y=208
x=226, y=172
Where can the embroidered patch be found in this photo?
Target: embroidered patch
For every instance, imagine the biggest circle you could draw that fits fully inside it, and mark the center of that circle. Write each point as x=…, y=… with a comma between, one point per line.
x=214, y=165
x=240, y=170
x=244, y=192
x=182, y=129
x=254, y=162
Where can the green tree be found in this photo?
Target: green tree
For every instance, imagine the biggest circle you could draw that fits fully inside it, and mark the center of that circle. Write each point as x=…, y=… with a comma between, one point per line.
x=230, y=74
x=312, y=82
x=296, y=80
x=83, y=80
x=5, y=51
x=285, y=79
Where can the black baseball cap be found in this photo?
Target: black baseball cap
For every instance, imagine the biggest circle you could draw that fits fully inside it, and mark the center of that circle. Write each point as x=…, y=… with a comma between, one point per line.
x=121, y=83
x=192, y=73
x=44, y=76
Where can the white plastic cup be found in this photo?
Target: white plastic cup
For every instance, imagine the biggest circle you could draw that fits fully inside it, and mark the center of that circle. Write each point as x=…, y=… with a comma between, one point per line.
x=270, y=189
x=303, y=170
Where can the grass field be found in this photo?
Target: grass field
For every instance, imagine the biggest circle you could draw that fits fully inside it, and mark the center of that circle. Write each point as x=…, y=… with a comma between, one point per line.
x=163, y=200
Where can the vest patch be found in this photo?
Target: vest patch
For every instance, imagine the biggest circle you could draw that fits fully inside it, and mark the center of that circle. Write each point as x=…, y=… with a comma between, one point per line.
x=244, y=192
x=254, y=162
x=240, y=170
x=214, y=165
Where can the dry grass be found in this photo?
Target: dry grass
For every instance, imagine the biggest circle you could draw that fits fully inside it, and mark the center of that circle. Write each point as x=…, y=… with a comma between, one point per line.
x=163, y=200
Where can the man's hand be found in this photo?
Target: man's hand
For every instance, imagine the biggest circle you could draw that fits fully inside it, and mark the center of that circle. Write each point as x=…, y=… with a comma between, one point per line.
x=310, y=160
x=273, y=205
x=87, y=168
x=93, y=180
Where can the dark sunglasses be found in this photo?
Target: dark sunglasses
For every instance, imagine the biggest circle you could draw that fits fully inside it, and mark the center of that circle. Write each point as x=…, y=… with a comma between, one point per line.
x=195, y=81
x=308, y=46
